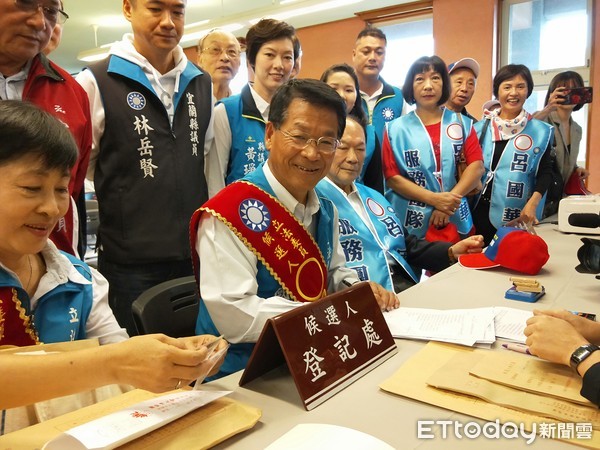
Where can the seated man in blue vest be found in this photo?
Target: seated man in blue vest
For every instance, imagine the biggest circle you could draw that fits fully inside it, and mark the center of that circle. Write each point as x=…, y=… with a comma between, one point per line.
x=267, y=243
x=373, y=240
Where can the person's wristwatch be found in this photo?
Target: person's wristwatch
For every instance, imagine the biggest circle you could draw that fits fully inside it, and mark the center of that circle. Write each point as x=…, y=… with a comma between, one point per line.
x=581, y=354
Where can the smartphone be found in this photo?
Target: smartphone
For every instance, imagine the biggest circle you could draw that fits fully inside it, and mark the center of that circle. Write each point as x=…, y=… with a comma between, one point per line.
x=578, y=96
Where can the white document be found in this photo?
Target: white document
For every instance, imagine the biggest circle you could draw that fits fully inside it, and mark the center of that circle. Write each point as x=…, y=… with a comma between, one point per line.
x=510, y=323
x=130, y=423
x=315, y=436
x=459, y=326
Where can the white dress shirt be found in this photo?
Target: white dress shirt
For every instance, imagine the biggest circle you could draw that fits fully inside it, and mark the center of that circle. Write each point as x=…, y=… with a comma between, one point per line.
x=228, y=271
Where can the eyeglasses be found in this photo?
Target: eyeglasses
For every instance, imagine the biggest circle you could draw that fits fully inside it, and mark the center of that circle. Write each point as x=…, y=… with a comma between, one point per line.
x=52, y=14
x=324, y=144
x=216, y=51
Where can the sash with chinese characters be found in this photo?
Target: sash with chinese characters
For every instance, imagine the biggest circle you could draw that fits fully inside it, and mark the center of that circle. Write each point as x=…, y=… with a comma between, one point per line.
x=15, y=324
x=274, y=235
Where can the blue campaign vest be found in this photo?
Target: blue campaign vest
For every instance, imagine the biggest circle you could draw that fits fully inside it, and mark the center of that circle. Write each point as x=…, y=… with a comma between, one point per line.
x=387, y=108
x=413, y=153
x=364, y=250
x=238, y=354
x=61, y=315
x=247, y=135
x=513, y=181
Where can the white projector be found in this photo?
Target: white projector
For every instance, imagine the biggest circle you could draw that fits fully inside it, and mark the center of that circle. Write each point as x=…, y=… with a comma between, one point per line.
x=579, y=214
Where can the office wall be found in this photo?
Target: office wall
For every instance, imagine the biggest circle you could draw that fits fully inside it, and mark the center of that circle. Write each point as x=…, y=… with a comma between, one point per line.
x=327, y=44
x=457, y=25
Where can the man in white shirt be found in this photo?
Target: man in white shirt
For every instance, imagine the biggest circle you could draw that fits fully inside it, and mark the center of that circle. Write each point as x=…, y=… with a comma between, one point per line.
x=152, y=126
x=268, y=242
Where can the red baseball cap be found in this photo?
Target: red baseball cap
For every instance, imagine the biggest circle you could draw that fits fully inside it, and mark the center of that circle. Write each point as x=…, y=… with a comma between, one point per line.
x=512, y=248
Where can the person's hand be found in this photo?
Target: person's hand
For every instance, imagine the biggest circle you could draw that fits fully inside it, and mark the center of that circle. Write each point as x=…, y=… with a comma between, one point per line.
x=528, y=214
x=589, y=329
x=386, y=300
x=556, y=98
x=472, y=244
x=582, y=172
x=157, y=362
x=209, y=364
x=552, y=338
x=439, y=219
x=447, y=202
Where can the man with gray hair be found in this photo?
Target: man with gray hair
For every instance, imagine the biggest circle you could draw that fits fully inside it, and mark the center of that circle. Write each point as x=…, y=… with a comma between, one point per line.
x=219, y=55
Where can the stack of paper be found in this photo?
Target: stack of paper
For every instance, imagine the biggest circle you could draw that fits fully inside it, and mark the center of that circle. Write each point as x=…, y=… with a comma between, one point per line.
x=501, y=388
x=477, y=326
x=458, y=326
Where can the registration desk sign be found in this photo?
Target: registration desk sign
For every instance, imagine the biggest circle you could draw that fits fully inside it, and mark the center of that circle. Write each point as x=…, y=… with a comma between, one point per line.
x=326, y=344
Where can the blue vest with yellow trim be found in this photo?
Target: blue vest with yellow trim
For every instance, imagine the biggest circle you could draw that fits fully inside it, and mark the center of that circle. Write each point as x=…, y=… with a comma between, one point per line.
x=365, y=251
x=247, y=135
x=238, y=354
x=61, y=314
x=387, y=108
x=513, y=180
x=413, y=153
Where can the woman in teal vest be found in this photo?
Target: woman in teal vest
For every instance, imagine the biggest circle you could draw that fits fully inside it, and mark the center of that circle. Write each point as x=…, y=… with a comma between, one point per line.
x=518, y=165
x=343, y=79
x=420, y=154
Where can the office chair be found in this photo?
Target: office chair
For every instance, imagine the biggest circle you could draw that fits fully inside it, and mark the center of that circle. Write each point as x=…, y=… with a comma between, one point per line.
x=170, y=308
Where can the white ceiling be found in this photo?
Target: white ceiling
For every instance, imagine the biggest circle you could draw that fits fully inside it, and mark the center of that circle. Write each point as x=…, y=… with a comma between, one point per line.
x=84, y=15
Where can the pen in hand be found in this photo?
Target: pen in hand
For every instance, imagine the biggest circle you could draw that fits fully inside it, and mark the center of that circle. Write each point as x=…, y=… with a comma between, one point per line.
x=519, y=348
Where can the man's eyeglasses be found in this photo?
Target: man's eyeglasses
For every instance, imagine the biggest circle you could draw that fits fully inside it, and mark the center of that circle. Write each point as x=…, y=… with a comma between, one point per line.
x=324, y=144
x=52, y=14
x=216, y=51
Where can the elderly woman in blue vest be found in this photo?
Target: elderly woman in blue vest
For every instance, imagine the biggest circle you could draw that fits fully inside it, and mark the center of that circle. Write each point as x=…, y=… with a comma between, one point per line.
x=420, y=152
x=373, y=240
x=240, y=120
x=343, y=79
x=518, y=164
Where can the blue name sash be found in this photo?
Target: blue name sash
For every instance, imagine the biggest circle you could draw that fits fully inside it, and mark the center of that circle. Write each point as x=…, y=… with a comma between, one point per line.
x=366, y=251
x=414, y=155
x=516, y=171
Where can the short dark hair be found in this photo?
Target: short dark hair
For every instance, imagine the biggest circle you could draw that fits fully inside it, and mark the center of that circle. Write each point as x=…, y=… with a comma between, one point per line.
x=27, y=130
x=357, y=110
x=510, y=71
x=312, y=91
x=267, y=30
x=372, y=31
x=421, y=65
x=567, y=78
